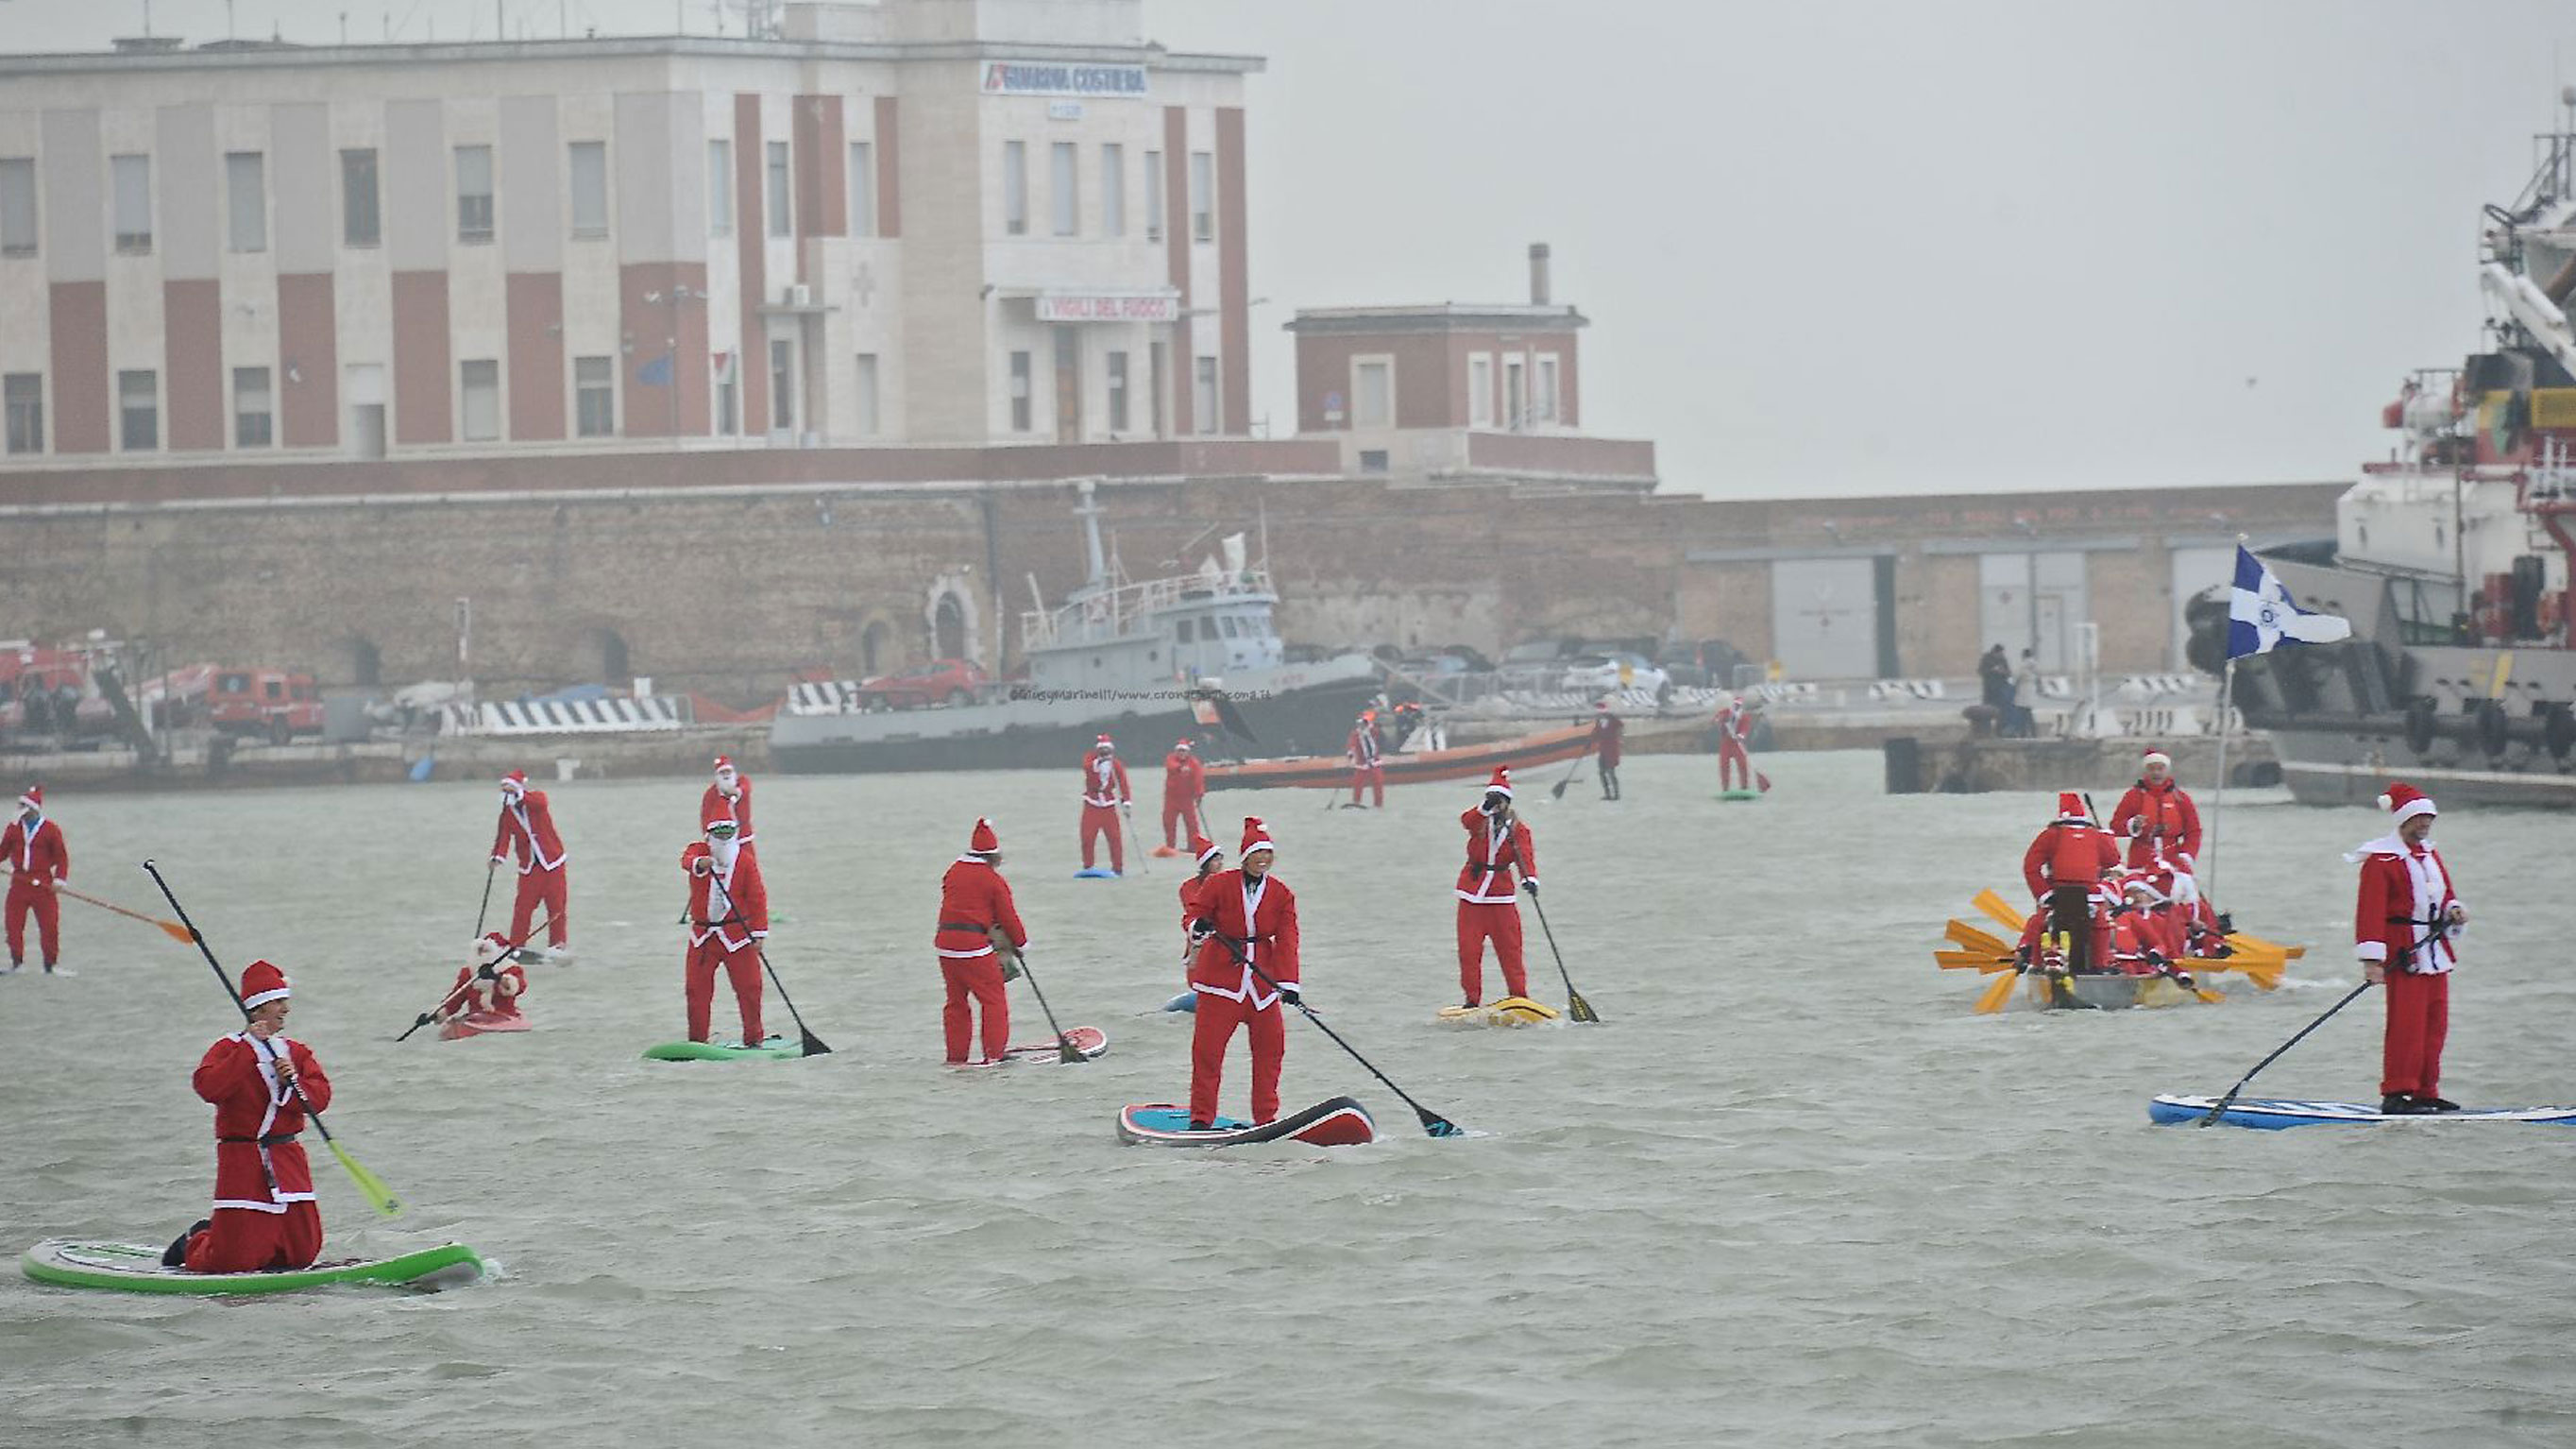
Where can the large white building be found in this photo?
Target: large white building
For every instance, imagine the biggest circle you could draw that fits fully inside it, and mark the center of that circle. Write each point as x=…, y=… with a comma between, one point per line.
x=927, y=223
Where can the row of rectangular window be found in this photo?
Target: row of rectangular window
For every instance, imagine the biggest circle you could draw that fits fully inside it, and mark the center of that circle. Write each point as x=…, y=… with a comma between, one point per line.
x=1207, y=417
x=1064, y=191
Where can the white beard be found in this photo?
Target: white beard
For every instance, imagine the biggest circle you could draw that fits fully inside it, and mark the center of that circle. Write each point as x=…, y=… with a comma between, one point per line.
x=724, y=852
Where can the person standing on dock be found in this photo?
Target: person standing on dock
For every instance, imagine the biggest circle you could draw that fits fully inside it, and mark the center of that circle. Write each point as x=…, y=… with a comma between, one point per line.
x=2158, y=820
x=2069, y=859
x=1498, y=849
x=38, y=861
x=729, y=796
x=261, y=1084
x=1184, y=784
x=1368, y=757
x=1104, y=789
x=1247, y=930
x=1607, y=729
x=977, y=918
x=728, y=919
x=527, y=830
x=2407, y=921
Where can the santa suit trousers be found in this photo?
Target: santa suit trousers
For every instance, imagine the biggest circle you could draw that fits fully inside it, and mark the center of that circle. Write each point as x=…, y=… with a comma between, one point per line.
x=244, y=1240
x=540, y=887
x=2419, y=1017
x=29, y=896
x=1499, y=922
x=1368, y=775
x=979, y=979
x=1734, y=766
x=1177, y=816
x=2071, y=914
x=742, y=968
x=1095, y=820
x=1217, y=1017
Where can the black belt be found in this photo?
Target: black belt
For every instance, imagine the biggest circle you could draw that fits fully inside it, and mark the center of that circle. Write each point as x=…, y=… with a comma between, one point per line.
x=963, y=926
x=274, y=1139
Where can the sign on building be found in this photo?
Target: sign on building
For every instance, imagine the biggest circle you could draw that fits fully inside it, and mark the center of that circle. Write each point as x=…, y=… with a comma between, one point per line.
x=1109, y=307
x=1059, y=78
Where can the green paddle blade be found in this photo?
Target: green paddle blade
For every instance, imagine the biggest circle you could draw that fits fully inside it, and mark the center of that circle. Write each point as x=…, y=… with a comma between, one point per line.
x=379, y=1196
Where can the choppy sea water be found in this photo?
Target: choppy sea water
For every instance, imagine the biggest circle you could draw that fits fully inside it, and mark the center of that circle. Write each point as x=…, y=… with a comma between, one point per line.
x=1791, y=1192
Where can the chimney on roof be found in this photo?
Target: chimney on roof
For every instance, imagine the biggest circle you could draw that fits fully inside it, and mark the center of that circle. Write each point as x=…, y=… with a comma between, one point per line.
x=1538, y=274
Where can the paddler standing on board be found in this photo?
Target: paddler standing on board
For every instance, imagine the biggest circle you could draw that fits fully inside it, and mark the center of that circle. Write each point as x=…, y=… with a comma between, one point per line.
x=38, y=861
x=1104, y=790
x=1734, y=728
x=2158, y=819
x=492, y=963
x=1498, y=849
x=1184, y=784
x=2066, y=862
x=1607, y=729
x=2407, y=922
x=527, y=830
x=1247, y=930
x=729, y=795
x=260, y=1083
x=1367, y=751
x=728, y=919
x=977, y=922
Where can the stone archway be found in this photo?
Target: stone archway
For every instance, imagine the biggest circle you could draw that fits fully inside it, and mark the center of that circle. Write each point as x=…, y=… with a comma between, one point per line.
x=876, y=648
x=949, y=620
x=603, y=657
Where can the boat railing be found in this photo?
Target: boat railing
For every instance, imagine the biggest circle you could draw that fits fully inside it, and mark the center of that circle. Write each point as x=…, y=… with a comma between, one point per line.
x=1106, y=614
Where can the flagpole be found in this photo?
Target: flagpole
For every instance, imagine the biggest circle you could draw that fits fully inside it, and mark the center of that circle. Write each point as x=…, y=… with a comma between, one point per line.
x=2206, y=868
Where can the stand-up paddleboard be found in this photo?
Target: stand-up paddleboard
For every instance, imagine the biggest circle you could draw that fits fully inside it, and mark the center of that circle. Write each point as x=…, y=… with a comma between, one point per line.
x=1088, y=1043
x=136, y=1268
x=1510, y=1011
x=1187, y=1001
x=1334, y=1122
x=1162, y=852
x=1095, y=872
x=1739, y=794
x=2275, y=1112
x=480, y=1023
x=773, y=1048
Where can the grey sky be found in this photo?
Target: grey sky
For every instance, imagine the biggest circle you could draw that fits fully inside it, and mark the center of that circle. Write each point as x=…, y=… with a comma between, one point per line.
x=1847, y=248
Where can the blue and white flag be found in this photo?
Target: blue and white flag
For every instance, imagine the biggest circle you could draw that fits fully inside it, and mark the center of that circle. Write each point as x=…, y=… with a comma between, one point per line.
x=2261, y=617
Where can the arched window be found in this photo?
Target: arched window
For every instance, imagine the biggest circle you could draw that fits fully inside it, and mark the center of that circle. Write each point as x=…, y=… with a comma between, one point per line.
x=948, y=629
x=874, y=642
x=606, y=653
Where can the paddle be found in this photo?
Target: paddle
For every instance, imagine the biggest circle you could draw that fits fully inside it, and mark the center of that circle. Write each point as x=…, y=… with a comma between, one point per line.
x=489, y=972
x=1064, y=1051
x=2230, y=1099
x=1575, y=1005
x=1557, y=792
x=1432, y=1122
x=173, y=929
x=378, y=1196
x=1995, y=996
x=813, y=1045
x=489, y=870
x=1135, y=842
x=1994, y=905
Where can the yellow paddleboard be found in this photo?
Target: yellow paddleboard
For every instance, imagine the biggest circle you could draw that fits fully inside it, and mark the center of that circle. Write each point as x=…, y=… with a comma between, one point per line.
x=1510, y=1011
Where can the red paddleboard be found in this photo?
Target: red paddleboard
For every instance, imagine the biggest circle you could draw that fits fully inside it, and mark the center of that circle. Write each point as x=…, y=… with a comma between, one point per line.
x=1088, y=1043
x=480, y=1023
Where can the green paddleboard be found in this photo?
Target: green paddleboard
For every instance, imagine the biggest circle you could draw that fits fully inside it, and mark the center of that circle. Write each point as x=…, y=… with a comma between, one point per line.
x=137, y=1268
x=1740, y=795
x=703, y=1051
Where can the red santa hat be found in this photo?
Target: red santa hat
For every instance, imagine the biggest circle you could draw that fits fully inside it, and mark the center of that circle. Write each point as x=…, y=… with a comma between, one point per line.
x=2070, y=806
x=983, y=841
x=1182, y=745
x=724, y=764
x=2405, y=802
x=33, y=799
x=1256, y=836
x=516, y=782
x=1501, y=784
x=2155, y=757
x=1202, y=847
x=262, y=983
x=490, y=950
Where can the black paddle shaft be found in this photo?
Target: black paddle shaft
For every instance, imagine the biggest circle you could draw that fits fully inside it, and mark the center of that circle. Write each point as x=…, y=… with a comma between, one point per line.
x=1063, y=1045
x=262, y=1043
x=484, y=911
x=813, y=1045
x=487, y=973
x=1574, y=1002
x=1558, y=793
x=2230, y=1099
x=1432, y=1122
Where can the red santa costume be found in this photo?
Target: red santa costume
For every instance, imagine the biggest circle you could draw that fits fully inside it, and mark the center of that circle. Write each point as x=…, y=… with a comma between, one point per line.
x=1734, y=760
x=2063, y=865
x=1607, y=732
x=2407, y=922
x=729, y=796
x=1184, y=783
x=1368, y=758
x=1249, y=918
x=1488, y=903
x=2158, y=820
x=38, y=857
x=509, y=982
x=728, y=919
x=527, y=830
x=1210, y=857
x=974, y=900
x=2142, y=940
x=1104, y=789
x=264, y=1216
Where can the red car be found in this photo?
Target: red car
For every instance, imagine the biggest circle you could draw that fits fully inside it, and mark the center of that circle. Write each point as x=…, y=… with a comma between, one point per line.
x=946, y=681
x=266, y=703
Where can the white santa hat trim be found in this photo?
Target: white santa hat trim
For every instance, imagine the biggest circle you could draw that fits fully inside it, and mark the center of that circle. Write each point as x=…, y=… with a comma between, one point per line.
x=265, y=997
x=29, y=801
x=2420, y=805
x=2156, y=757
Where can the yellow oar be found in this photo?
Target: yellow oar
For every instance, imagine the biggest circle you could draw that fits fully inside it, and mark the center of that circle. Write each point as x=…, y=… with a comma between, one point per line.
x=1995, y=906
x=1960, y=933
x=1996, y=995
x=1971, y=961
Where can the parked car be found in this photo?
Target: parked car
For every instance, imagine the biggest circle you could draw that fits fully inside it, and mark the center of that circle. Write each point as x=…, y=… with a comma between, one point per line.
x=1603, y=673
x=266, y=704
x=1707, y=664
x=945, y=681
x=1536, y=664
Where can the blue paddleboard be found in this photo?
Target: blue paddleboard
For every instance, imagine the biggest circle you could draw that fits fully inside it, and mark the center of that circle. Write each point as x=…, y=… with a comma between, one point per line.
x=2277, y=1112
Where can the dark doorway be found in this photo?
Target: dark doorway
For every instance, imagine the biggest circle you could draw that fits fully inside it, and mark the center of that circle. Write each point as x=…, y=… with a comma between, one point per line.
x=948, y=628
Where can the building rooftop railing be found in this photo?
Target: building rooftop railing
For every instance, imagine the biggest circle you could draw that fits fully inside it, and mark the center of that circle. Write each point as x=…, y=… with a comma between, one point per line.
x=1115, y=613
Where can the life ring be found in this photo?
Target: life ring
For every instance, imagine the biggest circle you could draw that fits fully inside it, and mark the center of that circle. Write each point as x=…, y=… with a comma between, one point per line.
x=2492, y=737
x=2419, y=725
x=2558, y=730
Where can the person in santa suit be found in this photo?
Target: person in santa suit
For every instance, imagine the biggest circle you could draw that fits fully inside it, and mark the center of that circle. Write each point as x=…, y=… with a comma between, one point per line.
x=1367, y=752
x=977, y=922
x=1607, y=730
x=2065, y=862
x=1734, y=759
x=38, y=860
x=2142, y=940
x=2157, y=819
x=1184, y=783
x=492, y=964
x=2406, y=926
x=1104, y=789
x=1246, y=929
x=1498, y=849
x=730, y=796
x=1211, y=861
x=728, y=919
x=527, y=830
x=261, y=1084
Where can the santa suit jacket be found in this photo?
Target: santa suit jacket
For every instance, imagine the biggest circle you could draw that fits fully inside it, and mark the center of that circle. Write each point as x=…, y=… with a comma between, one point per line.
x=251, y=1105
x=1493, y=855
x=2401, y=913
x=1606, y=732
x=735, y=807
x=973, y=898
x=1363, y=747
x=470, y=999
x=2158, y=819
x=38, y=856
x=1184, y=778
x=1104, y=780
x=528, y=831
x=1261, y=917
x=2068, y=853
x=738, y=913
